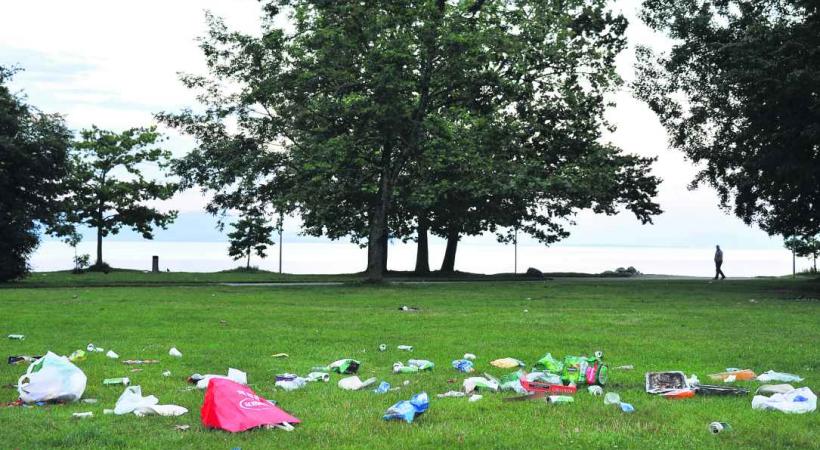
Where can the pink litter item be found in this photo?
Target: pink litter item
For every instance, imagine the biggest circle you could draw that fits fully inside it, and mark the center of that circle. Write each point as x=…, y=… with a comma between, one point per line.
x=234, y=407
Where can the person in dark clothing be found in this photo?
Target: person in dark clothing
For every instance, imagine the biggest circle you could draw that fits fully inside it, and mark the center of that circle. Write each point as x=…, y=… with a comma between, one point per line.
x=718, y=263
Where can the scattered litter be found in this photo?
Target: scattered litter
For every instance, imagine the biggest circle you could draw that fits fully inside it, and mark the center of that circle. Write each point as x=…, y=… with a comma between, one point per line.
x=354, y=383
x=549, y=363
x=406, y=383
x=77, y=356
x=406, y=308
x=108, y=411
x=344, y=366
x=451, y=394
x=469, y=356
x=89, y=400
x=132, y=401
x=595, y=390
x=82, y=415
x=693, y=380
x=660, y=382
x=408, y=410
x=475, y=398
x=51, y=378
x=235, y=375
x=585, y=370
x=798, y=401
x=174, y=352
x=678, y=394
x=463, y=365
x=90, y=348
x=480, y=383
x=406, y=348
x=234, y=407
x=182, y=427
x=17, y=359
x=535, y=386
x=290, y=382
x=167, y=373
x=719, y=427
x=627, y=407
x=413, y=366
x=318, y=376
x=738, y=375
x=280, y=355
x=135, y=369
x=626, y=367
x=382, y=347
x=507, y=363
x=17, y=337
x=132, y=362
x=111, y=381
x=774, y=389
x=382, y=388
x=771, y=375
x=612, y=398
x=560, y=399
x=712, y=389
x=111, y=354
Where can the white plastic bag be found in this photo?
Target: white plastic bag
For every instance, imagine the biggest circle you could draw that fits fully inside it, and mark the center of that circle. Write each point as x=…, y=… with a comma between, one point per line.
x=132, y=401
x=798, y=401
x=233, y=375
x=354, y=383
x=52, y=378
x=771, y=375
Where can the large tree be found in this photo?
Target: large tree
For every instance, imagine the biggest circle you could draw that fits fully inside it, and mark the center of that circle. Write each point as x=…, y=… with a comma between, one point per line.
x=108, y=185
x=335, y=118
x=739, y=93
x=33, y=161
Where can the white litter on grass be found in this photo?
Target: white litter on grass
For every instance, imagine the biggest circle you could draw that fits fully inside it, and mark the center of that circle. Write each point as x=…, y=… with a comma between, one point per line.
x=167, y=373
x=798, y=401
x=354, y=383
x=112, y=355
x=233, y=374
x=771, y=375
x=469, y=356
x=475, y=398
x=175, y=353
x=132, y=401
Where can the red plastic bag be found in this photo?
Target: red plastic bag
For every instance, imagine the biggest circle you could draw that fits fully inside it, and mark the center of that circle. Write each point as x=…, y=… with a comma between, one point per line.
x=235, y=407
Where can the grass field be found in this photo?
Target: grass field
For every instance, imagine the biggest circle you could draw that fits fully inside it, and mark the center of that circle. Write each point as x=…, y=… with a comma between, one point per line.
x=693, y=326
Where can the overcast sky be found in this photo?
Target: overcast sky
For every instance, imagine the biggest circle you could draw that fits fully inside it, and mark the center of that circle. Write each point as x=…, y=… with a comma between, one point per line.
x=115, y=64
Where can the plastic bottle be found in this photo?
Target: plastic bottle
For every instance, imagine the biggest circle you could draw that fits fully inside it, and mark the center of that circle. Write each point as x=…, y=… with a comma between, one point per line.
x=560, y=399
x=382, y=388
x=626, y=407
x=407, y=348
x=612, y=398
x=123, y=381
x=382, y=347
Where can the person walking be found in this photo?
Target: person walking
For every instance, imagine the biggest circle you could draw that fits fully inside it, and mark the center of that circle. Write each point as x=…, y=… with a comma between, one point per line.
x=718, y=263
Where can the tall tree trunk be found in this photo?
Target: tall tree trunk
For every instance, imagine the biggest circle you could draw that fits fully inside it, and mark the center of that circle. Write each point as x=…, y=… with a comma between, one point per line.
x=385, y=242
x=377, y=239
x=248, y=265
x=99, y=248
x=422, y=249
x=449, y=263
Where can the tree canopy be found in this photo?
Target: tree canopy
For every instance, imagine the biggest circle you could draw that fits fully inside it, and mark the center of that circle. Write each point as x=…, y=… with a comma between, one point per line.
x=33, y=161
x=739, y=94
x=370, y=119
x=251, y=234
x=108, y=187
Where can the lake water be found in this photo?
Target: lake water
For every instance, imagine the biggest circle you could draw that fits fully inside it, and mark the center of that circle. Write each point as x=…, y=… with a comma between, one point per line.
x=481, y=257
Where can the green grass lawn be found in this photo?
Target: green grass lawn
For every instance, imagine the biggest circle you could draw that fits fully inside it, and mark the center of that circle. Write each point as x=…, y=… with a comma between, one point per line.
x=693, y=326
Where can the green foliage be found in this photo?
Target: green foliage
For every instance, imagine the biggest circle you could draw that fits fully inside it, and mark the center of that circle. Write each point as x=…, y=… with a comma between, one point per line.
x=367, y=116
x=33, y=152
x=252, y=234
x=805, y=248
x=108, y=190
x=738, y=94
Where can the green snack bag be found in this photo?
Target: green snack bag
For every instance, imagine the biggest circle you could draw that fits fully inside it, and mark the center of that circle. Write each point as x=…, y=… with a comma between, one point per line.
x=549, y=364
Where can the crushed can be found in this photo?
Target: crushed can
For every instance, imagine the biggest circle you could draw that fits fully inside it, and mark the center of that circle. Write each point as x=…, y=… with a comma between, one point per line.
x=719, y=427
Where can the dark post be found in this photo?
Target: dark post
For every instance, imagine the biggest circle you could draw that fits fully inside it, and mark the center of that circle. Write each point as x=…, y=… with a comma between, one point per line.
x=155, y=264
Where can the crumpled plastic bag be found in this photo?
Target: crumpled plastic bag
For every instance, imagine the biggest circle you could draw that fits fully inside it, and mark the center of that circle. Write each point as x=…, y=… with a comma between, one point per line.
x=235, y=407
x=290, y=382
x=771, y=375
x=233, y=375
x=345, y=366
x=132, y=401
x=774, y=389
x=798, y=401
x=549, y=364
x=354, y=383
x=408, y=410
x=463, y=365
x=51, y=378
x=473, y=383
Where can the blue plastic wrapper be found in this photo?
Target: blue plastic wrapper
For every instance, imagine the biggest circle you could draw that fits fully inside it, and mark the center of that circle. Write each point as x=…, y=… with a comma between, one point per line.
x=626, y=407
x=408, y=410
x=383, y=387
x=463, y=365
